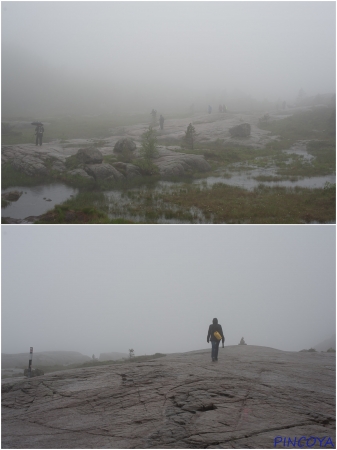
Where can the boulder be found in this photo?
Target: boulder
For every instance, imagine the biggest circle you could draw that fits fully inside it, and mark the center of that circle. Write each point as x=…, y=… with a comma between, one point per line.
x=179, y=164
x=89, y=155
x=124, y=146
x=128, y=170
x=79, y=173
x=103, y=171
x=30, y=165
x=11, y=196
x=242, y=130
x=58, y=166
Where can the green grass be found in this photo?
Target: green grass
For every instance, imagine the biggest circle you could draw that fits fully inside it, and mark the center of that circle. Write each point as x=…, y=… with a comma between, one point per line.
x=228, y=204
x=220, y=203
x=12, y=177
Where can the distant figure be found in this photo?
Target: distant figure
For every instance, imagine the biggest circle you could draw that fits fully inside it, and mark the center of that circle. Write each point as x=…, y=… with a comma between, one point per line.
x=39, y=130
x=215, y=335
x=224, y=109
x=154, y=116
x=161, y=122
x=220, y=109
x=209, y=109
x=242, y=342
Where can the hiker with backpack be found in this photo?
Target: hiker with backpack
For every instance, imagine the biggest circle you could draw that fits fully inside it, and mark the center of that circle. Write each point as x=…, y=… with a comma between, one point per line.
x=215, y=335
x=39, y=130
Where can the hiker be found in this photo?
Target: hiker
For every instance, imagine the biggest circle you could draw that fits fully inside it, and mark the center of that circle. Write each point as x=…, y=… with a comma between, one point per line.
x=161, y=122
x=215, y=334
x=154, y=116
x=209, y=109
x=39, y=130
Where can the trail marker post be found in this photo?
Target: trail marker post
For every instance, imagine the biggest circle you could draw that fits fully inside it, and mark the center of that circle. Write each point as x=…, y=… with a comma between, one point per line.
x=30, y=361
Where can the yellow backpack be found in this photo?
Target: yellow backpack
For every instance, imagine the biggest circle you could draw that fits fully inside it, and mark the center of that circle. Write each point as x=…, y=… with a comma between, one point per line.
x=217, y=335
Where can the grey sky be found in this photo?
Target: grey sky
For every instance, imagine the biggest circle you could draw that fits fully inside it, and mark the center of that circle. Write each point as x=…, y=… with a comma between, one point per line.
x=96, y=289
x=153, y=51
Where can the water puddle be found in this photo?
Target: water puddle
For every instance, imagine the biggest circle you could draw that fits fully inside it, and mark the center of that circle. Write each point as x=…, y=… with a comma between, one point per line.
x=247, y=180
x=37, y=200
x=131, y=205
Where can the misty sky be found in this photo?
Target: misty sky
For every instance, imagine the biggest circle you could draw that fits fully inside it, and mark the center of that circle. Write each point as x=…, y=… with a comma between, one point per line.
x=98, y=289
x=163, y=51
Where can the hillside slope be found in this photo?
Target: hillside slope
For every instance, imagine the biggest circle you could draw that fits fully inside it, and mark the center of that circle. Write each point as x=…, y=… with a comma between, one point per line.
x=247, y=399
x=42, y=358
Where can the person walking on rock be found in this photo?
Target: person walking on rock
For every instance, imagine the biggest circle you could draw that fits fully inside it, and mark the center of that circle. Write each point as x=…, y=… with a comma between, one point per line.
x=215, y=335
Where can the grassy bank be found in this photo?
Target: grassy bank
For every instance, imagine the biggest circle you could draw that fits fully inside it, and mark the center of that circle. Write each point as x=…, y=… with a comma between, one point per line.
x=190, y=203
x=227, y=204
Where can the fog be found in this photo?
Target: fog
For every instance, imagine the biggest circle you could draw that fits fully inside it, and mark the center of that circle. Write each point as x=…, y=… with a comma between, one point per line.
x=102, y=57
x=97, y=289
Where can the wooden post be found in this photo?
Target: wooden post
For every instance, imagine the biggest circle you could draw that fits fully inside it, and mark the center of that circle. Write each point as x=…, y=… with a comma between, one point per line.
x=30, y=361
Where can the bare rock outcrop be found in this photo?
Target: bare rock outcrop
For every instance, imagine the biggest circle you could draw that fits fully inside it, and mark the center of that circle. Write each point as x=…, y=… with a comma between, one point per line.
x=172, y=163
x=11, y=196
x=80, y=173
x=103, y=171
x=124, y=146
x=242, y=130
x=24, y=158
x=247, y=399
x=89, y=155
x=127, y=169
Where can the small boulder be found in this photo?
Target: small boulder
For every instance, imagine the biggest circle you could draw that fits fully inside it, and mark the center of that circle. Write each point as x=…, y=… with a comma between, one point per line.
x=79, y=173
x=128, y=170
x=103, y=171
x=11, y=196
x=124, y=146
x=58, y=166
x=242, y=130
x=89, y=155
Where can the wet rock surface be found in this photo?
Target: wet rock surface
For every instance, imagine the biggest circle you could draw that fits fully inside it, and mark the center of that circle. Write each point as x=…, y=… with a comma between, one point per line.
x=249, y=397
x=89, y=156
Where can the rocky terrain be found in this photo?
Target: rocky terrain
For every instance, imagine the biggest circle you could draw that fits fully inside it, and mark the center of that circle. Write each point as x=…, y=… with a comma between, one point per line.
x=250, y=397
x=40, y=161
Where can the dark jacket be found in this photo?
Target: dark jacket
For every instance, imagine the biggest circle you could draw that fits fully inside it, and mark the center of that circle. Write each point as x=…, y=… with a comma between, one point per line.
x=211, y=330
x=39, y=130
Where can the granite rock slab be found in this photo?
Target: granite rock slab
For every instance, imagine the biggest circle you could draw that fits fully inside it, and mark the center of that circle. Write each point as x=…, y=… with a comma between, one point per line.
x=250, y=396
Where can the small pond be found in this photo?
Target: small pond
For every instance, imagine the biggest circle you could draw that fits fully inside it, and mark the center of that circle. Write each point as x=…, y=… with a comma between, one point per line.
x=37, y=200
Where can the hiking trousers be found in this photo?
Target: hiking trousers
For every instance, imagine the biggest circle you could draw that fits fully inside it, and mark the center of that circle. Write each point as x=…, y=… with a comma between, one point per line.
x=38, y=139
x=215, y=350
